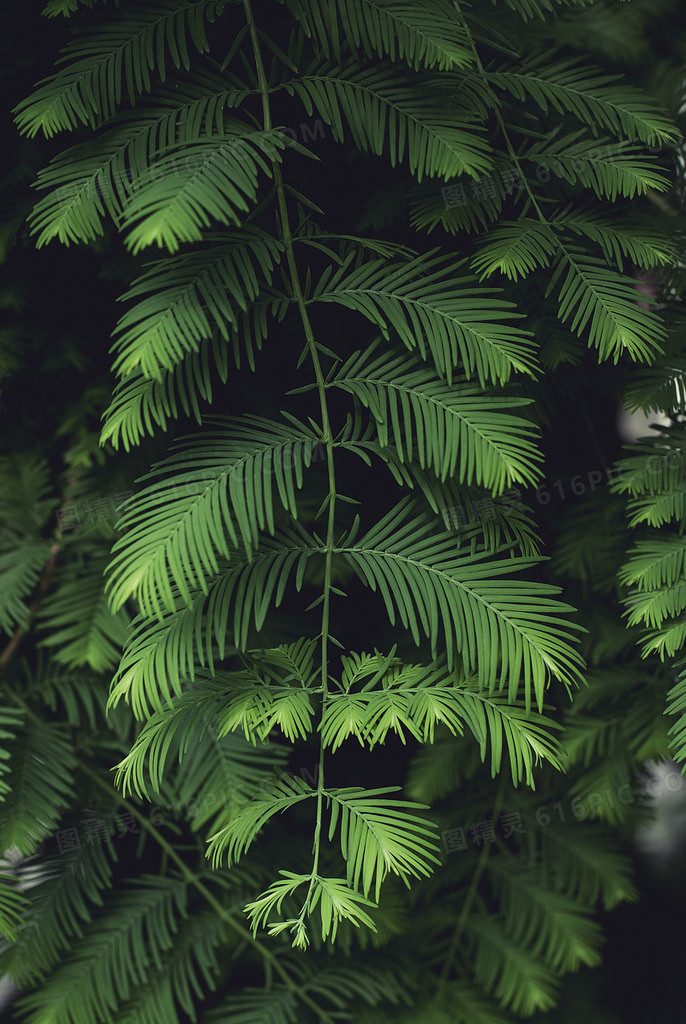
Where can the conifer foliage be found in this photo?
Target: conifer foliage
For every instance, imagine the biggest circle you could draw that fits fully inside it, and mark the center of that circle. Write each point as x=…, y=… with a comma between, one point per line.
x=294, y=700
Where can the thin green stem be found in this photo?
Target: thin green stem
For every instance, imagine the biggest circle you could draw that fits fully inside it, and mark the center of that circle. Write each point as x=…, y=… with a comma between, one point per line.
x=287, y=239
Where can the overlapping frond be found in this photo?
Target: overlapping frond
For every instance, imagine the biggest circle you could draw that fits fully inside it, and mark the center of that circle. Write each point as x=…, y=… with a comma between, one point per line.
x=115, y=955
x=26, y=498
x=274, y=1005
x=509, y=632
x=609, y=168
x=20, y=570
x=436, y=312
x=65, y=7
x=596, y=99
x=450, y=428
x=515, y=249
x=516, y=978
x=40, y=785
x=634, y=243
x=12, y=907
x=257, y=707
x=183, y=732
x=218, y=775
x=11, y=720
x=186, y=974
x=530, y=9
x=378, y=835
x=426, y=35
x=455, y=208
x=215, y=182
x=416, y=699
x=676, y=705
x=140, y=403
x=184, y=300
x=237, y=836
x=62, y=903
x=546, y=923
x=595, y=299
x=467, y=1005
x=78, y=621
x=332, y=897
x=96, y=179
x=582, y=861
x=160, y=654
x=210, y=497
x=373, y=984
x=386, y=114
x=103, y=68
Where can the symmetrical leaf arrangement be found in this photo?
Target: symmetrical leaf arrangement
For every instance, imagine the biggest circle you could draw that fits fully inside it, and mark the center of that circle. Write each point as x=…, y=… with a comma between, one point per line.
x=223, y=635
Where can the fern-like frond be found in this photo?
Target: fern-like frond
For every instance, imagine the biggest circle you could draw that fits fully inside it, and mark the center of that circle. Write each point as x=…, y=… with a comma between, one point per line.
x=116, y=954
x=609, y=168
x=530, y=9
x=274, y=1005
x=467, y=1005
x=336, y=901
x=606, y=304
x=378, y=835
x=78, y=622
x=95, y=179
x=516, y=249
x=65, y=7
x=653, y=607
x=520, y=981
x=441, y=767
x=676, y=705
x=455, y=208
x=372, y=983
x=215, y=182
x=596, y=99
x=209, y=496
x=635, y=243
x=186, y=730
x=434, y=310
x=237, y=836
x=11, y=720
x=585, y=864
x=20, y=570
x=184, y=300
x=12, y=907
x=426, y=36
x=102, y=68
x=41, y=785
x=257, y=708
x=169, y=732
x=655, y=470
x=64, y=901
x=452, y=427
x=218, y=775
x=546, y=923
x=420, y=698
x=140, y=403
x=386, y=114
x=185, y=974
x=505, y=522
x=654, y=478
x=26, y=498
x=470, y=601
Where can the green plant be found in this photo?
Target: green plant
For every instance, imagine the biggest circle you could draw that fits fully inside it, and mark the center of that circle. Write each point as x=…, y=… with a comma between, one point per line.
x=190, y=121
